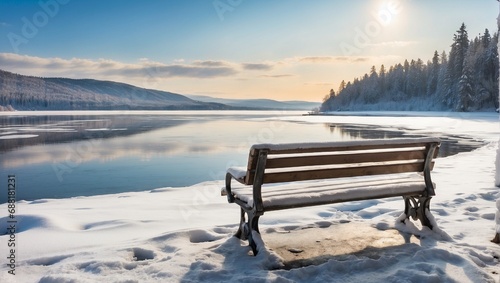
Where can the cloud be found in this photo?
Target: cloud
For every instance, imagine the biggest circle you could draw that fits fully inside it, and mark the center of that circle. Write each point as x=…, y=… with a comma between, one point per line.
x=103, y=67
x=317, y=59
x=4, y=25
x=31, y=62
x=329, y=59
x=393, y=44
x=170, y=71
x=211, y=63
x=359, y=59
x=318, y=83
x=257, y=66
x=277, y=76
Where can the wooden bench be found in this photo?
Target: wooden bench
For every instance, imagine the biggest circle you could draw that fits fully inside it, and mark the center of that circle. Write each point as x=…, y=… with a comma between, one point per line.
x=356, y=170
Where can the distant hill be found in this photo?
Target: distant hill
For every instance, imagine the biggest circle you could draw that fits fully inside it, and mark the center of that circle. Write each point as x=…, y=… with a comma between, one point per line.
x=35, y=93
x=259, y=103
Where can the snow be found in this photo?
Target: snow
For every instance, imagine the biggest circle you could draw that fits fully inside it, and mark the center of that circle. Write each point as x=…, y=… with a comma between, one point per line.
x=238, y=172
x=185, y=234
x=298, y=146
x=343, y=189
x=8, y=137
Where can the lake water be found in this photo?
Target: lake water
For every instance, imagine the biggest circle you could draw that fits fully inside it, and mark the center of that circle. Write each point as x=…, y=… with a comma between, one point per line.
x=60, y=156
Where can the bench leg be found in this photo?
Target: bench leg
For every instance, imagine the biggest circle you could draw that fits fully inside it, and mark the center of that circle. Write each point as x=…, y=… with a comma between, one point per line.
x=239, y=234
x=416, y=208
x=496, y=240
x=253, y=223
x=245, y=230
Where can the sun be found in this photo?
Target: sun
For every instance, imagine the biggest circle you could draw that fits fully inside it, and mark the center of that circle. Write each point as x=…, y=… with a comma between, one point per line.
x=387, y=12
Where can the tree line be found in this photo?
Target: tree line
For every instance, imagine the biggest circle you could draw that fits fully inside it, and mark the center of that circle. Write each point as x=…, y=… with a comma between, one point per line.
x=464, y=79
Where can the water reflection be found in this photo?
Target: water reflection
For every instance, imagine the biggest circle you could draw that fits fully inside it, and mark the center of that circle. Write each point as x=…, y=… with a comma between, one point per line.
x=63, y=129
x=450, y=144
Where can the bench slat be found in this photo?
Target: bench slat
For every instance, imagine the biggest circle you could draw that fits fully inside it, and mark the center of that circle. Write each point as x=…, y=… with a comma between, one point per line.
x=299, y=161
x=343, y=172
x=339, y=198
x=343, y=146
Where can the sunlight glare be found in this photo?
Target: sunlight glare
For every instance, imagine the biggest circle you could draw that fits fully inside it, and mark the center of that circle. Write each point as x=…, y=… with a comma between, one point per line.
x=387, y=12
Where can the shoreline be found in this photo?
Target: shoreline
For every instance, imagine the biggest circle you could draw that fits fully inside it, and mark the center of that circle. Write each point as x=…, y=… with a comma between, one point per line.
x=404, y=113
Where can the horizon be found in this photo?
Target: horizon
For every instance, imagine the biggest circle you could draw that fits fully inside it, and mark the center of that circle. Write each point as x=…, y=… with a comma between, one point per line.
x=230, y=49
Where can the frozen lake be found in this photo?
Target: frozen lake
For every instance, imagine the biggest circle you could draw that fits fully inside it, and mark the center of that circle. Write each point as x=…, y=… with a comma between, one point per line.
x=67, y=154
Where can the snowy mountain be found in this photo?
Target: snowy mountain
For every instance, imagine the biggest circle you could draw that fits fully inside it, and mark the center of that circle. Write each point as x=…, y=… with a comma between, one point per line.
x=259, y=103
x=35, y=93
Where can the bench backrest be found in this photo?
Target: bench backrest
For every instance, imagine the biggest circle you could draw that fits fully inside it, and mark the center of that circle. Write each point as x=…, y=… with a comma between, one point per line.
x=311, y=161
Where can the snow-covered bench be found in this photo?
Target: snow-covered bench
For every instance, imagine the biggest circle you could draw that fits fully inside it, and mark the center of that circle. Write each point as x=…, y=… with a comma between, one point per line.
x=349, y=171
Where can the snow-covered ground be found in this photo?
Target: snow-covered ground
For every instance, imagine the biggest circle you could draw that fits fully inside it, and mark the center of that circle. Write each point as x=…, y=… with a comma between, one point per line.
x=185, y=234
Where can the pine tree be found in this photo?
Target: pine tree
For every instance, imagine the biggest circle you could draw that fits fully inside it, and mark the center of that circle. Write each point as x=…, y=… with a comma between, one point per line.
x=373, y=72
x=433, y=74
x=382, y=77
x=465, y=91
x=461, y=46
x=486, y=39
x=455, y=67
x=341, y=86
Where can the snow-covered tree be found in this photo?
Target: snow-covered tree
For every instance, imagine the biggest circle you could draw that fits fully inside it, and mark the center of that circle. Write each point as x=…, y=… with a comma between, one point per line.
x=433, y=74
x=466, y=79
x=465, y=91
x=341, y=86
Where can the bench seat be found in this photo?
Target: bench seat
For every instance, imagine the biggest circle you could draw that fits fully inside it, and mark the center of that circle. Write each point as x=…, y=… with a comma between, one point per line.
x=311, y=193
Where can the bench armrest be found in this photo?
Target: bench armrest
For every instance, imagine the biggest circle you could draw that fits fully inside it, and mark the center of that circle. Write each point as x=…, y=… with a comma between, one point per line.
x=226, y=191
x=237, y=173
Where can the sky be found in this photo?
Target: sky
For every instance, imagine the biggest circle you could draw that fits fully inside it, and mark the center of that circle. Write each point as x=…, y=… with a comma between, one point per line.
x=283, y=50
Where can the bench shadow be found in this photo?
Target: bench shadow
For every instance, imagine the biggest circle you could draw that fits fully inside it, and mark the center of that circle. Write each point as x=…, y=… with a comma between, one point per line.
x=338, y=244
x=369, y=252
x=300, y=247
